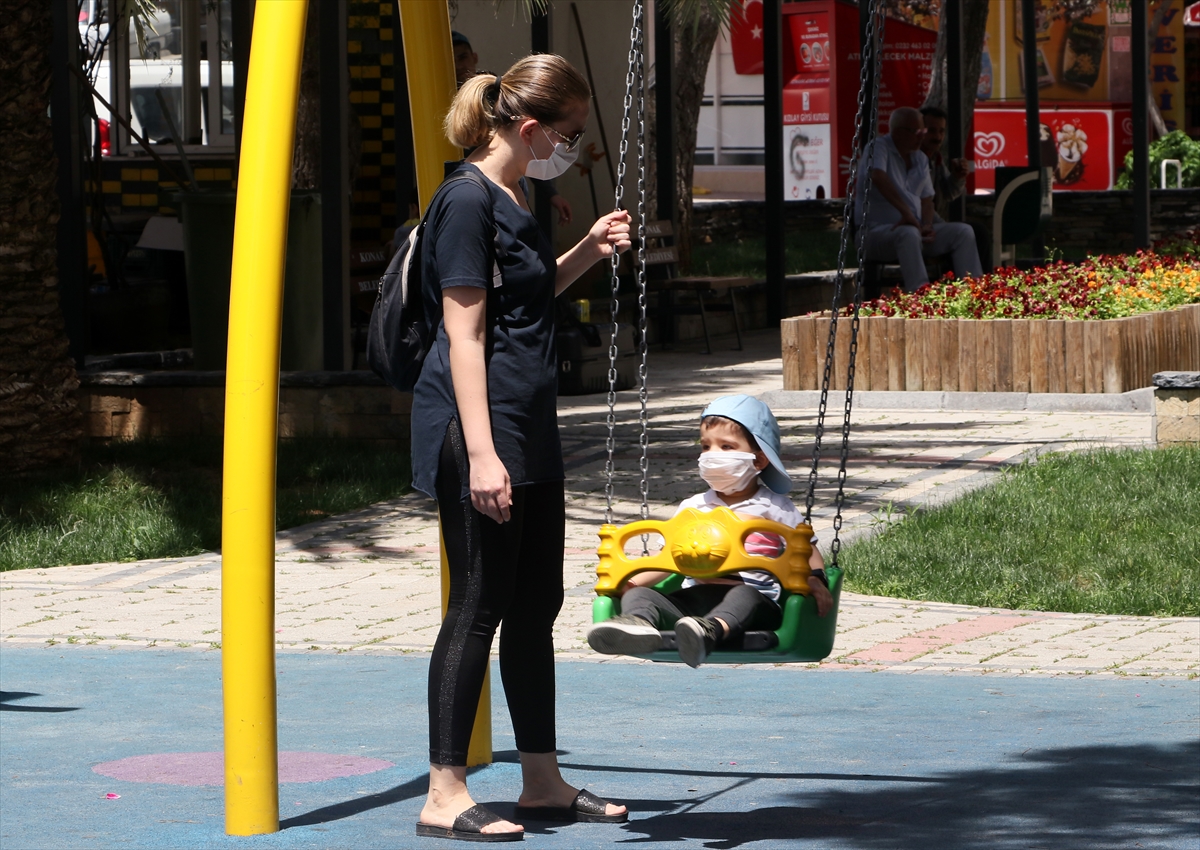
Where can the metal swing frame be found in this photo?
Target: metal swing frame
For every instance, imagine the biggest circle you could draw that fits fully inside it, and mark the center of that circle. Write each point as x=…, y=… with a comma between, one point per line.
x=803, y=635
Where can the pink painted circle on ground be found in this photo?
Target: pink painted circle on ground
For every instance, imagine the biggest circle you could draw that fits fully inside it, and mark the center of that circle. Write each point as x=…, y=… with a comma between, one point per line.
x=209, y=768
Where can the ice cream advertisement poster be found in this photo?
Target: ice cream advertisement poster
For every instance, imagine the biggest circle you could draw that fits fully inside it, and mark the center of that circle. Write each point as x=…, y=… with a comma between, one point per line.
x=1084, y=53
x=1081, y=140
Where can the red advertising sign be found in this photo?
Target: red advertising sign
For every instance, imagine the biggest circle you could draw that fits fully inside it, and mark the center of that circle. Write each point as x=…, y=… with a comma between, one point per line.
x=1082, y=140
x=810, y=40
x=806, y=101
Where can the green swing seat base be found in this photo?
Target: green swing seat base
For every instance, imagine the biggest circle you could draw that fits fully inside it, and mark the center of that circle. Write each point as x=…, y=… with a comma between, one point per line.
x=803, y=636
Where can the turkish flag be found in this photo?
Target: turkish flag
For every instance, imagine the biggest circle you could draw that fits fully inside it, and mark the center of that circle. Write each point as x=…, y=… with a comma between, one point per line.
x=746, y=37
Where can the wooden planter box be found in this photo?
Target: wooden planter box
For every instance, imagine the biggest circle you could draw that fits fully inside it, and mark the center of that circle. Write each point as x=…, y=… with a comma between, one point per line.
x=995, y=355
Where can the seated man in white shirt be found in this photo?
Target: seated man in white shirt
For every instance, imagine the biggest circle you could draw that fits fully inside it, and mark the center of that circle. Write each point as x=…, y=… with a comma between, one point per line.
x=900, y=220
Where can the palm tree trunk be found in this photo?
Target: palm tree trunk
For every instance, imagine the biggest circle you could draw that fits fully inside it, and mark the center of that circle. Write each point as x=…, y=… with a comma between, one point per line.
x=306, y=162
x=693, y=48
x=974, y=25
x=40, y=421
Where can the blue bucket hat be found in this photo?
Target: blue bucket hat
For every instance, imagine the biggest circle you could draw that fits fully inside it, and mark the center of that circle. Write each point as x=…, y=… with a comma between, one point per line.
x=457, y=37
x=758, y=419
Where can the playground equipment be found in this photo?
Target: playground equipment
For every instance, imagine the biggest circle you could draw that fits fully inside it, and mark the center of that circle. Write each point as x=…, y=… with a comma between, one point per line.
x=711, y=544
x=251, y=414
x=252, y=375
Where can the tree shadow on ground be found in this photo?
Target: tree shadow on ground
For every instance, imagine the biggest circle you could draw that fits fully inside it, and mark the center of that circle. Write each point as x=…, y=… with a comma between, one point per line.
x=7, y=697
x=1082, y=797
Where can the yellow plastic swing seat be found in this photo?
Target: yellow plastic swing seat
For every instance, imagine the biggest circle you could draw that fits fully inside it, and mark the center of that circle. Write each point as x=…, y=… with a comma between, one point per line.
x=710, y=544
x=704, y=544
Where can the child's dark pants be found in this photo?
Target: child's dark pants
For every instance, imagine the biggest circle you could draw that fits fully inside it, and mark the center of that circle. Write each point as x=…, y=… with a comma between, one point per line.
x=741, y=607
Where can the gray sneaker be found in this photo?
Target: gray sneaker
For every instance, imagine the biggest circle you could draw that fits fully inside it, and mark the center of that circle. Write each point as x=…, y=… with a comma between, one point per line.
x=696, y=637
x=624, y=635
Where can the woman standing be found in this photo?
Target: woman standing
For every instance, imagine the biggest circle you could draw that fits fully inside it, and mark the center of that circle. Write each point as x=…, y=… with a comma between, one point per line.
x=485, y=435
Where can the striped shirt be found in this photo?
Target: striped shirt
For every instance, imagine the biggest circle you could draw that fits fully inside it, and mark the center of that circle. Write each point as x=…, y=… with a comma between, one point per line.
x=767, y=504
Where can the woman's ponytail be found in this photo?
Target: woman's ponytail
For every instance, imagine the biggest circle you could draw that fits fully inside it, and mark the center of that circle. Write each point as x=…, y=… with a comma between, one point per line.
x=472, y=116
x=542, y=86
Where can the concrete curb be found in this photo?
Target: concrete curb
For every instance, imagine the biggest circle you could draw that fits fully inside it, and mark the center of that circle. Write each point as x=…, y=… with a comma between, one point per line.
x=1134, y=401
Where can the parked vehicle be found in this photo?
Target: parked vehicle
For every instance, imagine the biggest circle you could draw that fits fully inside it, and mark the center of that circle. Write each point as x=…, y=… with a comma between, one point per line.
x=149, y=77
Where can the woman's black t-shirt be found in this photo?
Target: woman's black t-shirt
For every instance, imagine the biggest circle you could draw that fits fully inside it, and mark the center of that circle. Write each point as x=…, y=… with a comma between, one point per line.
x=462, y=247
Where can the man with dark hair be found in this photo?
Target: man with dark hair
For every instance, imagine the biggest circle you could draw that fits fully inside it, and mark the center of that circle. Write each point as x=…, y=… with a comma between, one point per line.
x=466, y=60
x=949, y=178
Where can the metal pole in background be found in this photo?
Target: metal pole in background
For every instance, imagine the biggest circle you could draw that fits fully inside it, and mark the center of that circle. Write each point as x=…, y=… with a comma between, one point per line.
x=1033, y=120
x=539, y=42
x=406, y=167
x=1141, y=126
x=65, y=121
x=335, y=190
x=251, y=419
x=664, y=135
x=773, y=155
x=242, y=27
x=956, y=132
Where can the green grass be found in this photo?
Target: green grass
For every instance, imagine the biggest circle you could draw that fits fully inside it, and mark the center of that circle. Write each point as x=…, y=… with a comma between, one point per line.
x=159, y=499
x=1104, y=532
x=804, y=252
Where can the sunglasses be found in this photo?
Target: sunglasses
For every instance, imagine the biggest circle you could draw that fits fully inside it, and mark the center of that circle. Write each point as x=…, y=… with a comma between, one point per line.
x=571, y=143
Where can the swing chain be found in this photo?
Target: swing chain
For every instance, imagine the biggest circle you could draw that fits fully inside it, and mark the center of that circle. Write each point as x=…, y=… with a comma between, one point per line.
x=635, y=43
x=840, y=498
x=643, y=418
x=862, y=128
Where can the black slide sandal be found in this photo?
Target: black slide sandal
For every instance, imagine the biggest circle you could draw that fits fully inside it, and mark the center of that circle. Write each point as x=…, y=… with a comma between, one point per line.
x=587, y=808
x=467, y=827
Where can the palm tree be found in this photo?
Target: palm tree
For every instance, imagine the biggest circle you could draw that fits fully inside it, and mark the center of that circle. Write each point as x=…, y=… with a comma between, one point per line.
x=40, y=421
x=695, y=27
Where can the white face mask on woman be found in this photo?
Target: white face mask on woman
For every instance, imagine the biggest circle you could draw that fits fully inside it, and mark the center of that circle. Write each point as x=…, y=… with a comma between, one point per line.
x=554, y=165
x=728, y=472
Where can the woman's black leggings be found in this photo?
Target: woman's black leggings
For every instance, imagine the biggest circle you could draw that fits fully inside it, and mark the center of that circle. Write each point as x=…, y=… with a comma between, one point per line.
x=510, y=572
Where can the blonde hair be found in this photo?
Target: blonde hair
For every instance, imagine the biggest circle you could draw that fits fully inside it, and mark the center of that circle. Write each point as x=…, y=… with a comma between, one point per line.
x=542, y=86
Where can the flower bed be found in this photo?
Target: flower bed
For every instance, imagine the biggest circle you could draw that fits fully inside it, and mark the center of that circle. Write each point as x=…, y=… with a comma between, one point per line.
x=1104, y=325
x=1097, y=288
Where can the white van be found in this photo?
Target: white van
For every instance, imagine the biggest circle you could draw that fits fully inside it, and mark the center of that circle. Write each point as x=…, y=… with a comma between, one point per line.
x=159, y=70
x=146, y=79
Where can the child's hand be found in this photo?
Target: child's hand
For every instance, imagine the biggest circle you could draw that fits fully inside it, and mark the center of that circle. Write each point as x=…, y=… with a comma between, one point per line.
x=820, y=595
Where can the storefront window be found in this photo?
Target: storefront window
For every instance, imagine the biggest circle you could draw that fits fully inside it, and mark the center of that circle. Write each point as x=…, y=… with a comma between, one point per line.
x=173, y=84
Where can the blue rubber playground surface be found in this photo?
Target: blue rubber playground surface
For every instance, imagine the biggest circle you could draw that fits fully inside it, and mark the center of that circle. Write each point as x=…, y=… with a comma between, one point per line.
x=751, y=757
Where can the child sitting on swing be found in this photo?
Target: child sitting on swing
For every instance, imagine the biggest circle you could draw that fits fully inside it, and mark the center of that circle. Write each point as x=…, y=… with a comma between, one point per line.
x=739, y=441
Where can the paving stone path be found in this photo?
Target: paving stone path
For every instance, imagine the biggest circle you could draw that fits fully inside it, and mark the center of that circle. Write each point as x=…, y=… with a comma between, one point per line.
x=368, y=582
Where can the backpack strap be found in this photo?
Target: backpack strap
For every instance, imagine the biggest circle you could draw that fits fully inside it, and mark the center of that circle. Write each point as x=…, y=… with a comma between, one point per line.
x=470, y=174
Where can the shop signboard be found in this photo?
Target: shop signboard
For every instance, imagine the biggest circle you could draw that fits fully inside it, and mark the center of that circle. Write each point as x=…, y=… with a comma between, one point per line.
x=1087, y=58
x=820, y=97
x=1078, y=144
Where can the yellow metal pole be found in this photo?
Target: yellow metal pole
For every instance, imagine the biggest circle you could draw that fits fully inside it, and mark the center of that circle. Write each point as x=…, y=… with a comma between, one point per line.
x=479, y=751
x=429, y=66
x=251, y=414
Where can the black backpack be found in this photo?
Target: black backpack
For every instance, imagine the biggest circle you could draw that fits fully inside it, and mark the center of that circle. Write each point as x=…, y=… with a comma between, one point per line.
x=400, y=334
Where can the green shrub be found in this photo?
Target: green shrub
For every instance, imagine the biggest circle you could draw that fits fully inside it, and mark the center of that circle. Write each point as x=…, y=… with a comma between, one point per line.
x=1175, y=145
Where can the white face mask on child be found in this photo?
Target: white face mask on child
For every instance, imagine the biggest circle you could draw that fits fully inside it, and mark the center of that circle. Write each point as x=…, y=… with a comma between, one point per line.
x=728, y=472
